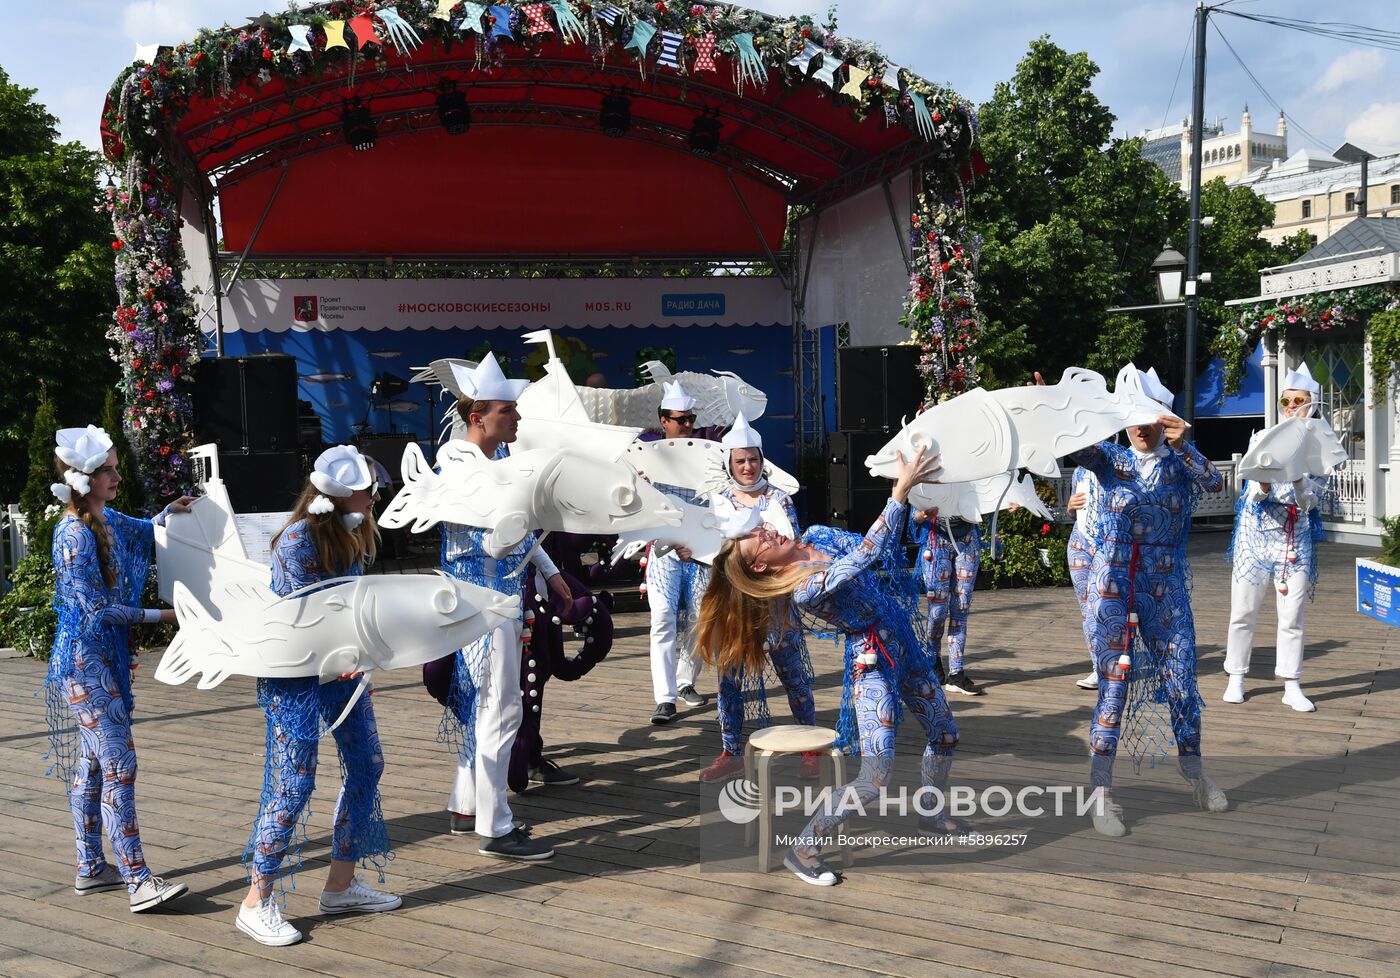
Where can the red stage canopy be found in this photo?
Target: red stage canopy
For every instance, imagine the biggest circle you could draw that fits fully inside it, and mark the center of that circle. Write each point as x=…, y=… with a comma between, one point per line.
x=534, y=175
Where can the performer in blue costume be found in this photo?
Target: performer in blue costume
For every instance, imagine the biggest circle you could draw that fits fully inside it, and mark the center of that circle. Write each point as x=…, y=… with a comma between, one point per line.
x=674, y=583
x=741, y=690
x=101, y=558
x=484, y=702
x=1083, y=503
x=1141, y=627
x=1274, y=548
x=950, y=554
x=863, y=589
x=331, y=534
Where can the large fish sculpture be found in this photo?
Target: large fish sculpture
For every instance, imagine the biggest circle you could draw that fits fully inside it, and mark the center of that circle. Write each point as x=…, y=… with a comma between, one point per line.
x=970, y=434
x=344, y=625
x=719, y=398
x=553, y=417
x=1291, y=449
x=696, y=464
x=971, y=501
x=510, y=497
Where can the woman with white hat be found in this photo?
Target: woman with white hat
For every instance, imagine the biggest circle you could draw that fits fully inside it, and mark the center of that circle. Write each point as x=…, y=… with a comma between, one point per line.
x=1275, y=547
x=741, y=689
x=331, y=534
x=101, y=559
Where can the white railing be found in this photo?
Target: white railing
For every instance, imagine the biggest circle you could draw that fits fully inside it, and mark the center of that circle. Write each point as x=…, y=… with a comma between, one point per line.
x=1345, y=498
x=15, y=544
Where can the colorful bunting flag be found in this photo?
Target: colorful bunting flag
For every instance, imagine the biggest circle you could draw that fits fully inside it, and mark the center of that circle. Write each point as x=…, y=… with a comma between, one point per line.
x=705, y=53
x=642, y=33
x=855, y=78
x=363, y=28
x=534, y=16
x=300, y=39
x=803, y=61
x=501, y=28
x=471, y=17
x=607, y=13
x=444, y=9
x=670, y=51
x=335, y=34
x=826, y=74
x=891, y=79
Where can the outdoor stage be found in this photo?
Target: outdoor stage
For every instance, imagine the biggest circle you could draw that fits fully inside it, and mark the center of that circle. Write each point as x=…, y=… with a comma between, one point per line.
x=624, y=896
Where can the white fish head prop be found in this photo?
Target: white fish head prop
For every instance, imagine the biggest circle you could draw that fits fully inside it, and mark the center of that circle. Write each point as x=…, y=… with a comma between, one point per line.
x=698, y=531
x=1292, y=449
x=951, y=499
x=686, y=463
x=970, y=433
x=440, y=372
x=605, y=441
x=738, y=397
x=471, y=490
x=203, y=550
x=385, y=621
x=1128, y=386
x=583, y=493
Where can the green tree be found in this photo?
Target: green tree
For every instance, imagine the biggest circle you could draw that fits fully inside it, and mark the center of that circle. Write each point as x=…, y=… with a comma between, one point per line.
x=129, y=495
x=56, y=285
x=1071, y=220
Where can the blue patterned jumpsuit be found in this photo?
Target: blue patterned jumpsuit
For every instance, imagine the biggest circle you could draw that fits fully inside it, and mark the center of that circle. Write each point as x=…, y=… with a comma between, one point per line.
x=295, y=710
x=868, y=594
x=949, y=579
x=1147, y=670
x=89, y=675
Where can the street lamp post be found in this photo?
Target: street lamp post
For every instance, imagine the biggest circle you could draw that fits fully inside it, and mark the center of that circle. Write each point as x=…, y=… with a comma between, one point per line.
x=1170, y=269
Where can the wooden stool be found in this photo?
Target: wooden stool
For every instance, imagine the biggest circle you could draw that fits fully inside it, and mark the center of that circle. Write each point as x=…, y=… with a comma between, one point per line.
x=759, y=752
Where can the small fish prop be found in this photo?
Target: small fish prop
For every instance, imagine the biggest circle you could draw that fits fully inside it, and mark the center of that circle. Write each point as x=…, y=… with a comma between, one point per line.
x=1291, y=449
x=699, y=532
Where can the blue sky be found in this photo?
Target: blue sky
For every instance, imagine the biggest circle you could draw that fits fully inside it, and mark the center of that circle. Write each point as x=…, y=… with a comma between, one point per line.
x=71, y=50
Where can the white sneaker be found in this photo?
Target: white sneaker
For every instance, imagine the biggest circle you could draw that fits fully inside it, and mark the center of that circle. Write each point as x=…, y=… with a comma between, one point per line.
x=1090, y=681
x=1234, y=690
x=1110, y=822
x=358, y=897
x=1208, y=796
x=264, y=924
x=154, y=891
x=1293, y=696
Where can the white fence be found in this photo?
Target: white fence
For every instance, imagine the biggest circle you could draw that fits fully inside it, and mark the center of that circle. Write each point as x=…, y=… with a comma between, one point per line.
x=13, y=544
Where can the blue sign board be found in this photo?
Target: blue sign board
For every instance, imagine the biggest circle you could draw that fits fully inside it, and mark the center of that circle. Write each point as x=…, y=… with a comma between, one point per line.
x=1378, y=591
x=692, y=304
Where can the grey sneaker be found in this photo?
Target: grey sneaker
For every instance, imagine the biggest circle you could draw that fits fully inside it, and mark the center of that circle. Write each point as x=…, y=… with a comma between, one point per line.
x=466, y=824
x=516, y=845
x=1207, y=794
x=265, y=924
x=154, y=891
x=818, y=874
x=358, y=897
x=1110, y=822
x=664, y=713
x=548, y=773
x=690, y=696
x=109, y=879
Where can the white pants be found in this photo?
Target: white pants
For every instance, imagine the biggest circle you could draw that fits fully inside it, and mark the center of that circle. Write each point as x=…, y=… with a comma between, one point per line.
x=482, y=790
x=1245, y=600
x=673, y=663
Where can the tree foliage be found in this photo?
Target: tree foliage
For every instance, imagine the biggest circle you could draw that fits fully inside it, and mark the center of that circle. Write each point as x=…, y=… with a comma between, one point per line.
x=1071, y=221
x=56, y=278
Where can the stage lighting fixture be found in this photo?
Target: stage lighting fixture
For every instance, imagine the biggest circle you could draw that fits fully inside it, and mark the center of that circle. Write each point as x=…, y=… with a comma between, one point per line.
x=358, y=125
x=453, y=111
x=704, y=134
x=615, y=116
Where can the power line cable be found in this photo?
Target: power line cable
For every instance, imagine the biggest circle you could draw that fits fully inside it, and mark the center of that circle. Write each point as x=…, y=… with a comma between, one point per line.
x=1263, y=91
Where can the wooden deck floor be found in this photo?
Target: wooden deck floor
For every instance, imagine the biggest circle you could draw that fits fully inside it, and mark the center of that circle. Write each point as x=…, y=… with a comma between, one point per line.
x=625, y=896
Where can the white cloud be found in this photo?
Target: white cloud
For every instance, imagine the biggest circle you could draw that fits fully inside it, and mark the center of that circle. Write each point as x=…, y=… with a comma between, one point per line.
x=172, y=21
x=1351, y=68
x=1377, y=128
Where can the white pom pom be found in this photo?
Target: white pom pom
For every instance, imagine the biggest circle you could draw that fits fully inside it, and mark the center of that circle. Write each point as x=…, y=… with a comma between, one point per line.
x=80, y=482
x=61, y=492
x=352, y=520
x=320, y=506
x=556, y=620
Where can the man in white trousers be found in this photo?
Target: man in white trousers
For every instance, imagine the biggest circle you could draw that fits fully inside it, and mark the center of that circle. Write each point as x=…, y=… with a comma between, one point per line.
x=1274, y=548
x=485, y=695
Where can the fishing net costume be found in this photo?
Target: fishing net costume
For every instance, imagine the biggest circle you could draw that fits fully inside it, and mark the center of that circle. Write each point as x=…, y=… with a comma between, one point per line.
x=871, y=596
x=1273, y=549
x=743, y=696
x=1079, y=553
x=89, y=680
x=297, y=712
x=1139, y=604
x=950, y=554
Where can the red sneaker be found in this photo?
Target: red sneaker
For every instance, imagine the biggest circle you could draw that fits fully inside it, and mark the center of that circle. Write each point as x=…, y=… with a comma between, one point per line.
x=725, y=766
x=810, y=767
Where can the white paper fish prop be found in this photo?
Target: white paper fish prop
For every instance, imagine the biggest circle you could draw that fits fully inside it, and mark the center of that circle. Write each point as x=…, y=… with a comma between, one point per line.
x=696, y=464
x=349, y=624
x=510, y=497
x=953, y=500
x=774, y=516
x=202, y=549
x=553, y=416
x=1291, y=449
x=970, y=434
x=1052, y=421
x=699, y=532
x=1003, y=491
x=719, y=396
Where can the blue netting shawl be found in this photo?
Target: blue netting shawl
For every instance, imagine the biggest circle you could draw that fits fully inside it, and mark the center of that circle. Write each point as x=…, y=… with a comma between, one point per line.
x=868, y=592
x=1260, y=550
x=753, y=684
x=93, y=619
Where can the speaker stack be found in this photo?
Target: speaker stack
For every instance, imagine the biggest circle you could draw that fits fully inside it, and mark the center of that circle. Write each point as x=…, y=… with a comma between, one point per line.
x=247, y=406
x=877, y=388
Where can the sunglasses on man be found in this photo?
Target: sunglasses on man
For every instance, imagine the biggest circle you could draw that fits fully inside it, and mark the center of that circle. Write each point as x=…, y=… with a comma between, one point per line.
x=1293, y=402
x=681, y=418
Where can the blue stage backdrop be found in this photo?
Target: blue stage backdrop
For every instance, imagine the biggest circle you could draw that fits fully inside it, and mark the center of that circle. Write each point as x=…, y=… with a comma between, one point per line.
x=336, y=368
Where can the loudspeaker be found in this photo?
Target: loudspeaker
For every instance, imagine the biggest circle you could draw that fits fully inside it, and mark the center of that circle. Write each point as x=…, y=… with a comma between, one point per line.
x=247, y=404
x=387, y=450
x=261, y=482
x=846, y=454
x=856, y=509
x=876, y=386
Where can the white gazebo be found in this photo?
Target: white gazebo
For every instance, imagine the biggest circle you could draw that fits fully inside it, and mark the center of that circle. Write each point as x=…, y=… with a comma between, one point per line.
x=1358, y=400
